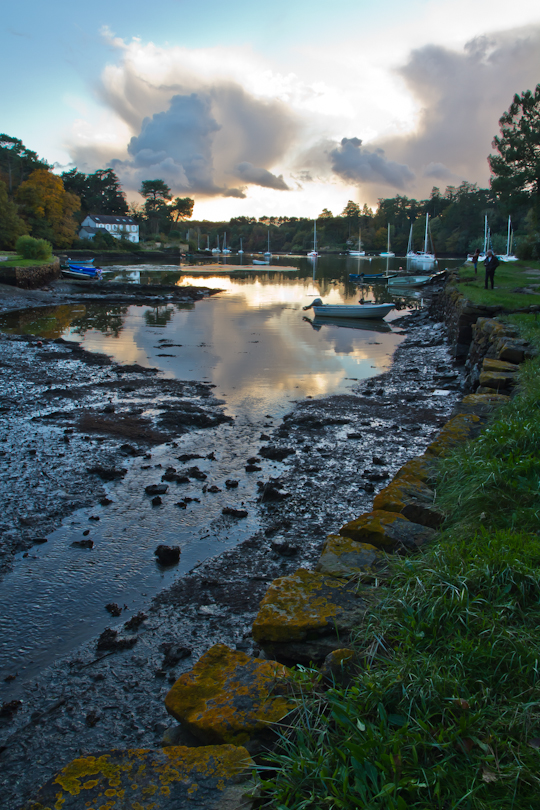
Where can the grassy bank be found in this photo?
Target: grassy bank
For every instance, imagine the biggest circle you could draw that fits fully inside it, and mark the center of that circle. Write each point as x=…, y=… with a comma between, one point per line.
x=14, y=260
x=509, y=277
x=445, y=712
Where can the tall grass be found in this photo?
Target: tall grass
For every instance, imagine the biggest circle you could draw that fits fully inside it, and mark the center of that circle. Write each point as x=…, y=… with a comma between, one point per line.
x=446, y=713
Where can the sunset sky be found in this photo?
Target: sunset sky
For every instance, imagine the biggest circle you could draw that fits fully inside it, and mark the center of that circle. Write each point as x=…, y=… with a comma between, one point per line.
x=281, y=108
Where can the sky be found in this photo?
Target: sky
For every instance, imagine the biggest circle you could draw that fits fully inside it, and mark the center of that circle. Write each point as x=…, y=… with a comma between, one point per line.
x=268, y=109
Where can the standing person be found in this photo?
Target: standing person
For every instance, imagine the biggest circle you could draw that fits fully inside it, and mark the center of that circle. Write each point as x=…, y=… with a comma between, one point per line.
x=476, y=256
x=491, y=263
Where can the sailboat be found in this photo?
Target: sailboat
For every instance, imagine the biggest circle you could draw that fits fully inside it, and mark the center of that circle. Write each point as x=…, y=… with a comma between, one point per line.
x=313, y=253
x=241, y=250
x=508, y=256
x=487, y=240
x=388, y=251
x=225, y=248
x=216, y=249
x=268, y=252
x=358, y=252
x=422, y=257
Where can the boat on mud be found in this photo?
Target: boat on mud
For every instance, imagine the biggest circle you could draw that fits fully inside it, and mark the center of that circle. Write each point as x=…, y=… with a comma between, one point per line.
x=355, y=311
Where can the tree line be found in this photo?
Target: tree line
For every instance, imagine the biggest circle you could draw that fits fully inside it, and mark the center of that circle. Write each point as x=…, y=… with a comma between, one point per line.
x=36, y=201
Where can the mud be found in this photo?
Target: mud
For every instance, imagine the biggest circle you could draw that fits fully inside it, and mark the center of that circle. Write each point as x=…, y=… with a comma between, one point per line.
x=336, y=453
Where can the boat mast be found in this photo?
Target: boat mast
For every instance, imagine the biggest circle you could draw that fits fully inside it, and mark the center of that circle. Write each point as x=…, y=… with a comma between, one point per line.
x=314, y=235
x=508, y=238
x=409, y=246
x=485, y=233
x=426, y=234
x=388, y=240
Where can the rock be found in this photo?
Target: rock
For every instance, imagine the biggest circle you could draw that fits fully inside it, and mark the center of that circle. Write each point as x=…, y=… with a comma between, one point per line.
x=83, y=544
x=194, y=472
x=253, y=460
x=412, y=499
x=204, y=778
x=129, y=450
x=135, y=621
x=114, y=609
x=306, y=615
x=109, y=640
x=237, y=513
x=275, y=453
x=229, y=697
x=92, y=718
x=344, y=557
x=457, y=430
x=496, y=380
x=272, y=491
x=252, y=468
x=513, y=350
x=156, y=489
x=107, y=473
x=167, y=555
x=421, y=467
x=109, y=408
x=284, y=548
x=340, y=666
x=213, y=489
x=174, y=653
x=188, y=457
x=9, y=708
x=156, y=500
x=231, y=484
x=105, y=502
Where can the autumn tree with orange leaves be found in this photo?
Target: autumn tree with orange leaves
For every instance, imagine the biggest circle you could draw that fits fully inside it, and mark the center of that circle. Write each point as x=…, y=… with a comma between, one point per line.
x=48, y=208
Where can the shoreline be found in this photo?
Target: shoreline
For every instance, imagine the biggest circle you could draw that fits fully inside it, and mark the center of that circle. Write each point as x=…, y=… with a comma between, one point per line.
x=391, y=416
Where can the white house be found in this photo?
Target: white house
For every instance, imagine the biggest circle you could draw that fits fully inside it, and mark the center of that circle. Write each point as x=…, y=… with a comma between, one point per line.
x=117, y=226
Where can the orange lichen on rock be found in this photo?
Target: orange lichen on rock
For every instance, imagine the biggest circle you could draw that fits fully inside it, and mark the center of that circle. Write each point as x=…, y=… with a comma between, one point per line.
x=343, y=557
x=229, y=697
x=485, y=399
x=490, y=364
x=421, y=467
x=162, y=779
x=388, y=528
x=371, y=527
x=306, y=605
x=456, y=431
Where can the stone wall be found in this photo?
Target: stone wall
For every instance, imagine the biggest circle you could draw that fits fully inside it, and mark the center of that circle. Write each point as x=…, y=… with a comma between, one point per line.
x=30, y=277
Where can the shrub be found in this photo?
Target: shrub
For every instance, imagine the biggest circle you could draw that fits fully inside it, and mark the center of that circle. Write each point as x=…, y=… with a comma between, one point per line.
x=30, y=248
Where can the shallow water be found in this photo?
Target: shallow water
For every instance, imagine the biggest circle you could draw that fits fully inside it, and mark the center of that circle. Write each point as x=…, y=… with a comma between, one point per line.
x=253, y=343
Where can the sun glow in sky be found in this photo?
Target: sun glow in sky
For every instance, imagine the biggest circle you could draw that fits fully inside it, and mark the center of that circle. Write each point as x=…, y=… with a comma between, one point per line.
x=286, y=108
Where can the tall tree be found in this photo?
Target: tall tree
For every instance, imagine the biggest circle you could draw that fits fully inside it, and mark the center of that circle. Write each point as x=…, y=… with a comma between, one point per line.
x=11, y=225
x=155, y=190
x=182, y=208
x=17, y=162
x=100, y=192
x=48, y=208
x=325, y=214
x=516, y=167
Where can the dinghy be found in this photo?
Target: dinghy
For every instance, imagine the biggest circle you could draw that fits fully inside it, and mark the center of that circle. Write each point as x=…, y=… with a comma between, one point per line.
x=373, y=311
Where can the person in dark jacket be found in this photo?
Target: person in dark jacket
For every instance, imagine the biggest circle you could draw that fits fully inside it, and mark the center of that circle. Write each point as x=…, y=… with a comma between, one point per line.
x=475, y=257
x=491, y=263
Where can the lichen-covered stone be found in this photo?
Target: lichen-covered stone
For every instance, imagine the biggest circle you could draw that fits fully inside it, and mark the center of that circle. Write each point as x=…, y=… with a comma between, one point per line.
x=513, y=350
x=497, y=380
x=308, y=605
x=457, y=430
x=421, y=467
x=229, y=697
x=204, y=778
x=341, y=665
x=344, y=557
x=410, y=498
x=490, y=398
x=490, y=364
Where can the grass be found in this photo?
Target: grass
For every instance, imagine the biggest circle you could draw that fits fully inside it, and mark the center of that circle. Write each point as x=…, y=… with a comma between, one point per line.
x=508, y=277
x=18, y=261
x=446, y=711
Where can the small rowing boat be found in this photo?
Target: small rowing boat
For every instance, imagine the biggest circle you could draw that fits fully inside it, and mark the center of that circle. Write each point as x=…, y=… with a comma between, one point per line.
x=361, y=277
x=409, y=281
x=364, y=311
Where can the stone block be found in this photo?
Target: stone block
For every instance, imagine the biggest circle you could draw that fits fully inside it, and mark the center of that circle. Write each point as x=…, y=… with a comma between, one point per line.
x=344, y=557
x=340, y=666
x=389, y=529
x=501, y=366
x=497, y=380
x=513, y=350
x=306, y=615
x=229, y=697
x=409, y=498
x=205, y=778
x=421, y=467
x=457, y=430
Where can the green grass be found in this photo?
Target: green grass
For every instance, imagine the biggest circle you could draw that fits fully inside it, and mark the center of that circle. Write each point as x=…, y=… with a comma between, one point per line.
x=18, y=261
x=446, y=712
x=508, y=277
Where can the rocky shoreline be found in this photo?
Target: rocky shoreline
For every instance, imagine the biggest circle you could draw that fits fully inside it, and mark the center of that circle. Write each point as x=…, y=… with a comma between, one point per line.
x=98, y=697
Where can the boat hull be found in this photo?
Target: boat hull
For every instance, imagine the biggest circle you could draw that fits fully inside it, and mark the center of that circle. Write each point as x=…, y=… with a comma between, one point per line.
x=355, y=311
x=79, y=275
x=409, y=281
x=369, y=277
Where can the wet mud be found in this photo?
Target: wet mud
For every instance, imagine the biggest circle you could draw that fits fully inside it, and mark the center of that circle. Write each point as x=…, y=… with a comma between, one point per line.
x=328, y=459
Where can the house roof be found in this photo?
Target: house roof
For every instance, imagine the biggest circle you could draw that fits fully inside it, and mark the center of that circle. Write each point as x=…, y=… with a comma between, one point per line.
x=112, y=220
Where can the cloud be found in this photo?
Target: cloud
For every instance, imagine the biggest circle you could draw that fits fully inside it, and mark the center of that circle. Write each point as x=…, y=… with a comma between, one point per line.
x=193, y=130
x=357, y=165
x=439, y=171
x=260, y=177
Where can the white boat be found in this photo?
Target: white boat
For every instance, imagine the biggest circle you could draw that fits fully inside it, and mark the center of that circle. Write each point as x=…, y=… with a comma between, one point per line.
x=358, y=252
x=216, y=249
x=240, y=251
x=364, y=311
x=257, y=261
x=408, y=281
x=313, y=253
x=508, y=256
x=268, y=252
x=422, y=257
x=225, y=248
x=79, y=275
x=388, y=252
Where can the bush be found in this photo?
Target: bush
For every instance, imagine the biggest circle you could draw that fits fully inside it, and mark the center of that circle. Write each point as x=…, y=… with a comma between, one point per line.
x=30, y=248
